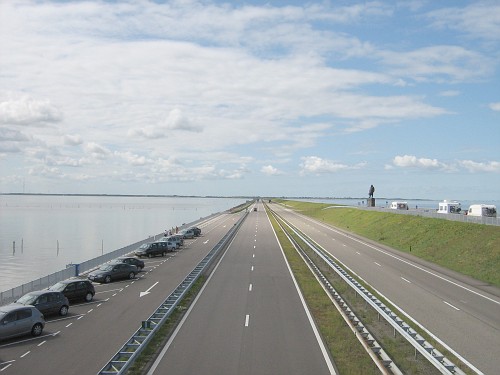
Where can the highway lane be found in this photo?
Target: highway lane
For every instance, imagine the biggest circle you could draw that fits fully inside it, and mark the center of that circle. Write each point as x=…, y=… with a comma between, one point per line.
x=460, y=311
x=92, y=333
x=249, y=319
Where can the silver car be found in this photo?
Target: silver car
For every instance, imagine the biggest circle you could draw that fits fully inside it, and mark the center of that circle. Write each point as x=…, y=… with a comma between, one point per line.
x=17, y=320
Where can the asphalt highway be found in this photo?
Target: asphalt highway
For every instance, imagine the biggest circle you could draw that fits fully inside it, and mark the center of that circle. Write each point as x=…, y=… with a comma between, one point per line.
x=249, y=319
x=462, y=312
x=86, y=339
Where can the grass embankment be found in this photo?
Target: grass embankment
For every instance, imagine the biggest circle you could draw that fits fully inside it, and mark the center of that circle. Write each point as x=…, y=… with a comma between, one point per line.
x=470, y=249
x=347, y=352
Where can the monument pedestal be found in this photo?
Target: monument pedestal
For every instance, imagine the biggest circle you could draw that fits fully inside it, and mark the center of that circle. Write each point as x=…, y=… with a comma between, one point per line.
x=370, y=202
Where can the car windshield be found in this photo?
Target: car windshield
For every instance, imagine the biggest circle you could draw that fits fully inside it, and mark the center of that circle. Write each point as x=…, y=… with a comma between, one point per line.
x=106, y=268
x=27, y=299
x=59, y=287
x=145, y=246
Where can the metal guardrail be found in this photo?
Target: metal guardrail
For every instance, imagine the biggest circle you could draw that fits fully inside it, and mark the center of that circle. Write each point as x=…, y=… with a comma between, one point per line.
x=375, y=350
x=130, y=351
x=435, y=357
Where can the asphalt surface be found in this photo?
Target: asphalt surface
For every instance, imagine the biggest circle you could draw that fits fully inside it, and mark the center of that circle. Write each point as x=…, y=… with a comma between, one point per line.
x=249, y=319
x=86, y=339
x=462, y=312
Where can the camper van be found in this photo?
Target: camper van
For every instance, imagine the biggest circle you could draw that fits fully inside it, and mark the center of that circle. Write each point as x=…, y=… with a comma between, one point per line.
x=487, y=210
x=449, y=207
x=399, y=205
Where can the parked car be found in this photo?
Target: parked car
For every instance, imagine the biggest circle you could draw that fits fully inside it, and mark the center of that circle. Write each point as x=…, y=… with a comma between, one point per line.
x=18, y=320
x=111, y=272
x=47, y=301
x=177, y=238
x=129, y=260
x=196, y=231
x=152, y=249
x=171, y=244
x=75, y=289
x=187, y=233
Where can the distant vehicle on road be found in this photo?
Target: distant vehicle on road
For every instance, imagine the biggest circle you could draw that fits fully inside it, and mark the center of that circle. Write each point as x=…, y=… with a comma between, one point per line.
x=18, y=320
x=152, y=249
x=449, y=207
x=111, y=272
x=255, y=208
x=75, y=289
x=129, y=260
x=47, y=301
x=171, y=244
x=196, y=231
x=396, y=205
x=178, y=238
x=187, y=233
x=487, y=210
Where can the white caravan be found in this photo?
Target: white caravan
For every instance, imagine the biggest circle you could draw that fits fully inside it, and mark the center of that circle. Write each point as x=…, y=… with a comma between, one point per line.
x=396, y=205
x=449, y=207
x=488, y=210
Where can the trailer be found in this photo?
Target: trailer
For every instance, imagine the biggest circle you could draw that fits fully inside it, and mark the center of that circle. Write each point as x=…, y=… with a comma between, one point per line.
x=487, y=210
x=449, y=207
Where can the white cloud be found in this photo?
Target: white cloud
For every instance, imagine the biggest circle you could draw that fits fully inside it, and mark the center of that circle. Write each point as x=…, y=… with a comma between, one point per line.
x=480, y=19
x=439, y=63
x=472, y=166
x=26, y=110
x=410, y=161
x=495, y=106
x=270, y=170
x=176, y=120
x=450, y=93
x=73, y=139
x=97, y=151
x=316, y=165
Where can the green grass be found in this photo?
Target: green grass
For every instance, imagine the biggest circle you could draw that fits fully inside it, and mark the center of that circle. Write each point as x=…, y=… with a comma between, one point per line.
x=470, y=249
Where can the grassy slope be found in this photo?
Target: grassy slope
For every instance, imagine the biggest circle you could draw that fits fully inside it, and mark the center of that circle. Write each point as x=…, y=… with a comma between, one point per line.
x=471, y=249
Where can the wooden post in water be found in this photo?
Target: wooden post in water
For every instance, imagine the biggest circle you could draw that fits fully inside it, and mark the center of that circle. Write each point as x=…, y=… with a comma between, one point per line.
x=57, y=247
x=13, y=247
x=102, y=247
x=22, y=245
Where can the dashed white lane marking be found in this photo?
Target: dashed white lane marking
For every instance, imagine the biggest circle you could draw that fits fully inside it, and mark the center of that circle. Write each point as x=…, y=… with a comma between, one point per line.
x=25, y=354
x=247, y=320
x=69, y=325
x=449, y=304
x=250, y=288
x=377, y=264
x=43, y=342
x=88, y=312
x=6, y=367
x=253, y=255
x=408, y=281
x=251, y=269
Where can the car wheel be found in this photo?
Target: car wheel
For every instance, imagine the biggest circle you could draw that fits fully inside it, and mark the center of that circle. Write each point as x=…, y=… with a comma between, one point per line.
x=88, y=297
x=141, y=268
x=107, y=279
x=37, y=329
x=131, y=275
x=164, y=254
x=63, y=311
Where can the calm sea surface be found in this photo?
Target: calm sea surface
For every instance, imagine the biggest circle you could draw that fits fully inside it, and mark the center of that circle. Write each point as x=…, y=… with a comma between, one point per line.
x=50, y=232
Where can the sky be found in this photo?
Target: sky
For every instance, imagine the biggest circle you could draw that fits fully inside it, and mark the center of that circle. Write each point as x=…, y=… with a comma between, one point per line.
x=251, y=98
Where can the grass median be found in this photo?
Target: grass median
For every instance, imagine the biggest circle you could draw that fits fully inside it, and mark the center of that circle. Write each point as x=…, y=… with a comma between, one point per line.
x=346, y=351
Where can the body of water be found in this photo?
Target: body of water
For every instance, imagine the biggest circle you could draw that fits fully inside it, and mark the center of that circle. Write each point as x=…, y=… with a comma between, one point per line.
x=40, y=234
